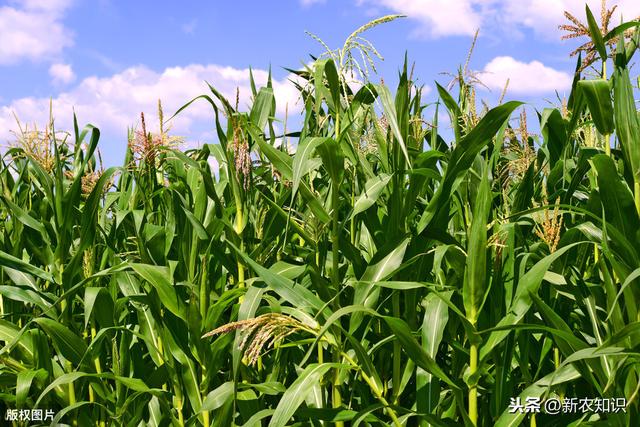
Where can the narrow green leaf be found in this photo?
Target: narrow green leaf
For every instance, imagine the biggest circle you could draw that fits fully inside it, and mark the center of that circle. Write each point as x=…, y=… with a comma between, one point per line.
x=415, y=351
x=388, y=105
x=98, y=301
x=298, y=391
x=436, y=316
x=536, y=390
x=332, y=159
x=527, y=285
x=158, y=277
x=596, y=35
x=67, y=344
x=597, y=94
x=627, y=122
x=261, y=109
x=297, y=295
x=372, y=190
x=462, y=158
x=300, y=160
x=7, y=260
x=617, y=199
x=216, y=398
x=476, y=267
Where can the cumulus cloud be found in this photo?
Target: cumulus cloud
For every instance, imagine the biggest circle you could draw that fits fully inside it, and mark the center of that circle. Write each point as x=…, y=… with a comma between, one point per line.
x=33, y=30
x=438, y=18
x=113, y=103
x=61, y=73
x=544, y=16
x=51, y=6
x=525, y=78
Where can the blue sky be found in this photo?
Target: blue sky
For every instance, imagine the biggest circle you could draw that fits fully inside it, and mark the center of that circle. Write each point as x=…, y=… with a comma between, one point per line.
x=109, y=60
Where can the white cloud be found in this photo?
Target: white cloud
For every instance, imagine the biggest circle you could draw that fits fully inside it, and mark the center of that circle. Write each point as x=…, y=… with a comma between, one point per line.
x=33, y=30
x=113, y=103
x=544, y=16
x=61, y=73
x=525, y=78
x=311, y=2
x=51, y=6
x=438, y=18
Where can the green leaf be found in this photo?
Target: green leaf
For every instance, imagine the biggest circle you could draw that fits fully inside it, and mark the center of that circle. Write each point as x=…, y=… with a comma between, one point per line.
x=282, y=163
x=527, y=285
x=10, y=261
x=22, y=216
x=462, y=158
x=415, y=351
x=367, y=293
x=334, y=82
x=301, y=159
x=332, y=159
x=24, y=379
x=10, y=333
x=436, y=316
x=554, y=131
x=476, y=267
x=388, y=105
x=453, y=109
x=597, y=94
x=627, y=122
x=536, y=390
x=596, y=35
x=98, y=301
x=67, y=344
x=26, y=296
x=299, y=296
x=617, y=199
x=298, y=391
x=372, y=190
x=261, y=109
x=158, y=277
x=216, y=398
x=247, y=310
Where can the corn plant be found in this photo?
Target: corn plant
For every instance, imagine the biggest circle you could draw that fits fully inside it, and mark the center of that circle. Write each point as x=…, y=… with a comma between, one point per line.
x=377, y=275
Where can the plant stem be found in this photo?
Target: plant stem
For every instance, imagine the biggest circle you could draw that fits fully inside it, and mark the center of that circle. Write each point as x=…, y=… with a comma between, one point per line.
x=397, y=368
x=374, y=388
x=204, y=288
x=335, y=237
x=98, y=366
x=180, y=417
x=636, y=194
x=238, y=229
x=72, y=395
x=352, y=228
x=336, y=398
x=205, y=419
x=473, y=389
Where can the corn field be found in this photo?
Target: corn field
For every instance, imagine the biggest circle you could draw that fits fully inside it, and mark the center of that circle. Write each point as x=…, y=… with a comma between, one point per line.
x=359, y=270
